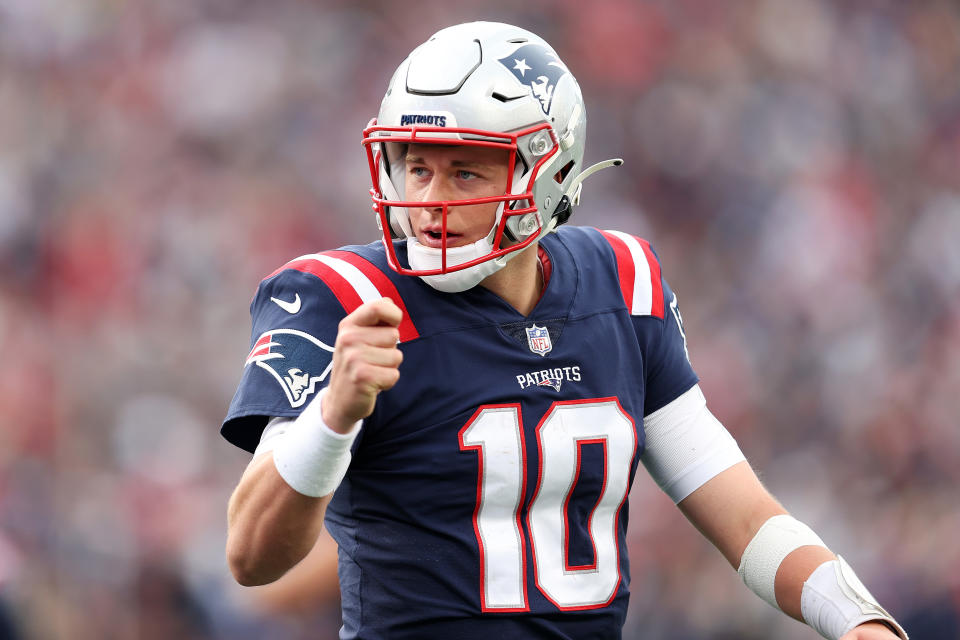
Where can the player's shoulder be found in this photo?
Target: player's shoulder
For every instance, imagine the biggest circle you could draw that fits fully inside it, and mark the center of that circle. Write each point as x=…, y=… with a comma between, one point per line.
x=331, y=284
x=626, y=259
x=322, y=270
x=590, y=243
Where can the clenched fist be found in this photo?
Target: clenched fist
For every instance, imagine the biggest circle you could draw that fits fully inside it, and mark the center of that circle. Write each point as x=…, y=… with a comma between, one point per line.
x=366, y=361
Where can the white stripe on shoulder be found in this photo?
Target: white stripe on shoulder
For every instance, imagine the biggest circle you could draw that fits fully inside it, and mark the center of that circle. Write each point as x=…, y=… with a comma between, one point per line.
x=360, y=283
x=642, y=289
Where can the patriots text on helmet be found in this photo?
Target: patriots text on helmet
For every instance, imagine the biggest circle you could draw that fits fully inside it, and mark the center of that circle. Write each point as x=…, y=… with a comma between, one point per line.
x=409, y=119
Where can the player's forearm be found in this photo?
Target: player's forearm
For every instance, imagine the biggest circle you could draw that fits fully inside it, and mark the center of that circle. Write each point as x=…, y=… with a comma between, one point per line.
x=831, y=597
x=271, y=527
x=729, y=509
x=781, y=559
x=731, y=534
x=793, y=572
x=276, y=512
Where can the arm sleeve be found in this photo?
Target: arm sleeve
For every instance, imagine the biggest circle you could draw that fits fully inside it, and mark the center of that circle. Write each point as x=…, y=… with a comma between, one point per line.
x=272, y=433
x=686, y=445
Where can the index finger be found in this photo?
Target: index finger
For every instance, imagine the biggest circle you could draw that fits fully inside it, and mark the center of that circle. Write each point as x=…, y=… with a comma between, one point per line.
x=382, y=312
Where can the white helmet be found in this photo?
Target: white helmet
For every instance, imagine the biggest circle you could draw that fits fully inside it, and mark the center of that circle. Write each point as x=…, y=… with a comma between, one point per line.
x=481, y=84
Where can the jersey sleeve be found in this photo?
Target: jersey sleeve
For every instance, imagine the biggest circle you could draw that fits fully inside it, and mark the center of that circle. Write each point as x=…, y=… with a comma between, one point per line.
x=668, y=371
x=294, y=326
x=656, y=320
x=296, y=313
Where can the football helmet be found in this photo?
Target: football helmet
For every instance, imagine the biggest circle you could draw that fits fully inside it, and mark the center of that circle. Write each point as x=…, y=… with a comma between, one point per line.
x=481, y=84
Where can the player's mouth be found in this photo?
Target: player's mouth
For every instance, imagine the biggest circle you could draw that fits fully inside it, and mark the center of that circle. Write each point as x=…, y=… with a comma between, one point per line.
x=433, y=237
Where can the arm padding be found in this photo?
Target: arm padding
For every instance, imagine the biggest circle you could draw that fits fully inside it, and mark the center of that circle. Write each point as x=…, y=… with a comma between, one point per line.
x=686, y=445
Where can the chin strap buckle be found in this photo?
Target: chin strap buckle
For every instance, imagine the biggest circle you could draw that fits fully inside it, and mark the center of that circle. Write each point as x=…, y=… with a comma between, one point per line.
x=562, y=214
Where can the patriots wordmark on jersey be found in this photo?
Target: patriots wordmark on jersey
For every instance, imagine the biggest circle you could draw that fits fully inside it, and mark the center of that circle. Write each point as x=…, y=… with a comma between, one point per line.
x=489, y=485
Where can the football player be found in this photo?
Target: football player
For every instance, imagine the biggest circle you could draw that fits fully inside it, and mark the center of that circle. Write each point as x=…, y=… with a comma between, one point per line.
x=465, y=404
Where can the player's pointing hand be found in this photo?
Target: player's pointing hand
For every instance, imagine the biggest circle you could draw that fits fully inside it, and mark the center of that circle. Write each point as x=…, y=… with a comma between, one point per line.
x=366, y=361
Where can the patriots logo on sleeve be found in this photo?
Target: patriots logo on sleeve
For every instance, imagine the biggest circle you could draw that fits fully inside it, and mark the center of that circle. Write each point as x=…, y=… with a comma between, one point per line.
x=539, y=68
x=297, y=361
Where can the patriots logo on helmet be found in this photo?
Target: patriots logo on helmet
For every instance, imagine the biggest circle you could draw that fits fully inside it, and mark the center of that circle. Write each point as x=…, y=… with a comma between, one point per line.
x=539, y=68
x=297, y=360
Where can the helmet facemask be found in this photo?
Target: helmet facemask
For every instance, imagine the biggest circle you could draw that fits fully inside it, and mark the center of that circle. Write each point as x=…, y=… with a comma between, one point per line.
x=518, y=221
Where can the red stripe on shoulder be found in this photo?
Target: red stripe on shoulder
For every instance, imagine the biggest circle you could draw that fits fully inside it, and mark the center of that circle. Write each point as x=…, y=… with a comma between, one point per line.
x=656, y=284
x=408, y=331
x=341, y=288
x=625, y=268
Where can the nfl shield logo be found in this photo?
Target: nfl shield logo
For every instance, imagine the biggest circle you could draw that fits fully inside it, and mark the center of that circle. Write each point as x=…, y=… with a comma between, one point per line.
x=539, y=340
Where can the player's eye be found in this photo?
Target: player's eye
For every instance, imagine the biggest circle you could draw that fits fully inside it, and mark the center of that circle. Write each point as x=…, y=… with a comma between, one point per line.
x=466, y=175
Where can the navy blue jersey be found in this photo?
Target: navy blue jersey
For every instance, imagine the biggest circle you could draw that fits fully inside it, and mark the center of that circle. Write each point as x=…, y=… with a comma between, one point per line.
x=487, y=491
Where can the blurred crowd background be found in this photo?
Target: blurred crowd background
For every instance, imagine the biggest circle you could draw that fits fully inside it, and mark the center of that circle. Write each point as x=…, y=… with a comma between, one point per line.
x=795, y=163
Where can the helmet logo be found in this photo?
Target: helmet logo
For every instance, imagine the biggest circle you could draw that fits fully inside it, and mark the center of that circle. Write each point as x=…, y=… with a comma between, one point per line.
x=539, y=68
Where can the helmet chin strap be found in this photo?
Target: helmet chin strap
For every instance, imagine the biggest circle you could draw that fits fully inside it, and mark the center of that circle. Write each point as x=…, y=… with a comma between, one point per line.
x=429, y=258
x=424, y=258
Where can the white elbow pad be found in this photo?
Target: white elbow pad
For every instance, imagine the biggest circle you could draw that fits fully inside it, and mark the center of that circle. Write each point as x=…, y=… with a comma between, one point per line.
x=834, y=601
x=774, y=541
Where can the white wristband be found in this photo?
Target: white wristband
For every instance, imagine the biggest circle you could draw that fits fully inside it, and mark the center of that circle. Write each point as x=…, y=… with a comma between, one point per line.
x=311, y=457
x=774, y=541
x=834, y=601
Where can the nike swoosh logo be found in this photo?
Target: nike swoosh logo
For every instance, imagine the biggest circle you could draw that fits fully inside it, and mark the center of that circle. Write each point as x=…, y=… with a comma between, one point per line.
x=289, y=307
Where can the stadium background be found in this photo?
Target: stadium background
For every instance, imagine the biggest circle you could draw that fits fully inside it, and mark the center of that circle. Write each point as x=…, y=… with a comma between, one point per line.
x=796, y=164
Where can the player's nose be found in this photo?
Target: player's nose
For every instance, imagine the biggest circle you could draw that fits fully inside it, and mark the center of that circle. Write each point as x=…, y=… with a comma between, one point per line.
x=437, y=191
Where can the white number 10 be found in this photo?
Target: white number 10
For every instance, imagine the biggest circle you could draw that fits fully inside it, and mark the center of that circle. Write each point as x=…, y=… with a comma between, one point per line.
x=495, y=432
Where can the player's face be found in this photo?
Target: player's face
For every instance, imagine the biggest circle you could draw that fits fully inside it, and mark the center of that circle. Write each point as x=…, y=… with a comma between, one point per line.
x=449, y=172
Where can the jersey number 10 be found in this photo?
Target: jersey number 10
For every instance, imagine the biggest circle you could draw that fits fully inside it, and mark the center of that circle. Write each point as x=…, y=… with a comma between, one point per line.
x=495, y=432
